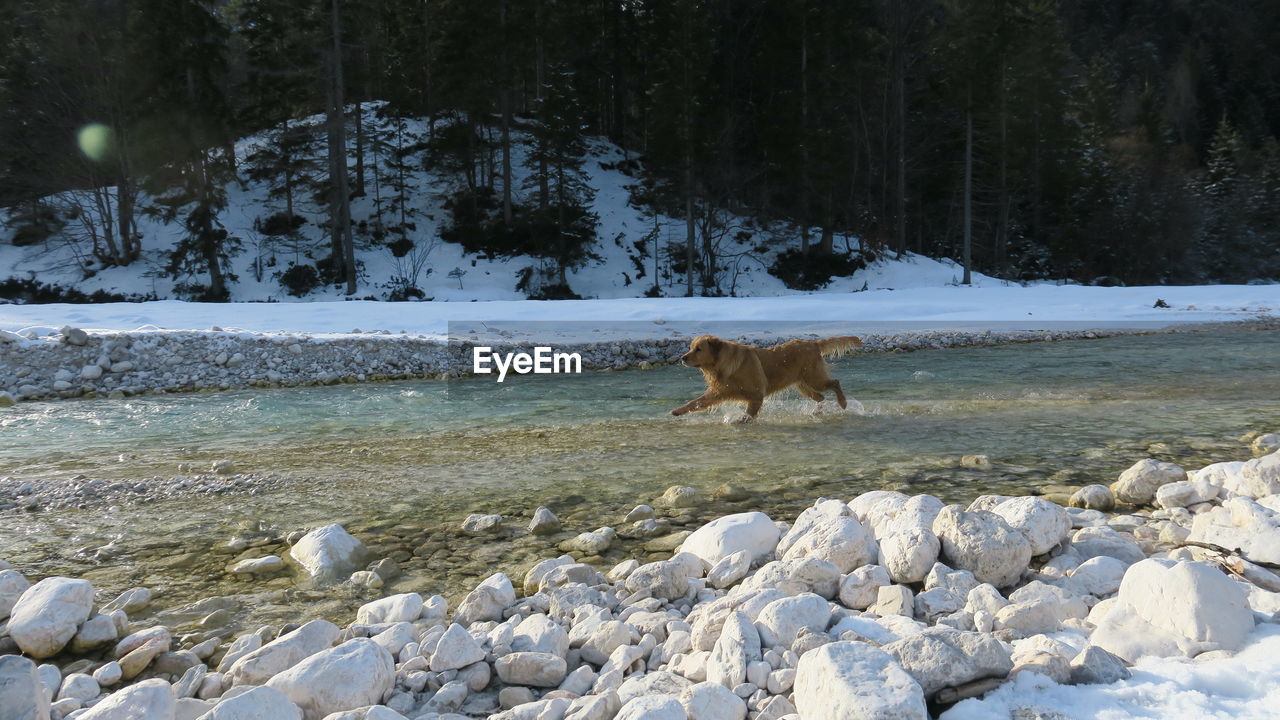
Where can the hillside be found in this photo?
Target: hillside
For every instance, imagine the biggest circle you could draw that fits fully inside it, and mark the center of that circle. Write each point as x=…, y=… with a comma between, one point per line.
x=622, y=265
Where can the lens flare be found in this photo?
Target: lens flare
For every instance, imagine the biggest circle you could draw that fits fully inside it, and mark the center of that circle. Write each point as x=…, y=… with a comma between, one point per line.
x=96, y=141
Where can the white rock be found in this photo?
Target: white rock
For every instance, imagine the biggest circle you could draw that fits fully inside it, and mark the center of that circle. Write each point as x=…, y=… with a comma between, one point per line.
x=539, y=633
x=1261, y=476
x=938, y=658
x=396, y=637
x=798, y=575
x=1046, y=524
x=109, y=674
x=257, y=703
x=652, y=707
x=487, y=601
x=21, y=694
x=606, y=637
x=536, y=669
x=544, y=522
x=738, y=645
x=780, y=620
x=456, y=649
x=79, y=686
x=591, y=543
x=860, y=588
x=96, y=632
x=1094, y=497
x=1139, y=483
x=829, y=531
x=1093, y=665
x=405, y=607
x=712, y=701
x=983, y=543
x=751, y=532
x=680, y=496
x=477, y=524
x=894, y=600
x=131, y=601
x=91, y=372
x=258, y=666
x=855, y=681
x=730, y=569
x=1242, y=525
x=328, y=553
x=47, y=615
x=909, y=554
x=1099, y=576
x=1169, y=608
x=356, y=673
x=270, y=563
x=151, y=699
x=240, y=647
x=12, y=585
x=1185, y=492
x=1090, y=542
x=666, y=579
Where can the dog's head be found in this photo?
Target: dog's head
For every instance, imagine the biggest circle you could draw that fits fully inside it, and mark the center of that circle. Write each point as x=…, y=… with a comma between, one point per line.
x=703, y=352
x=714, y=356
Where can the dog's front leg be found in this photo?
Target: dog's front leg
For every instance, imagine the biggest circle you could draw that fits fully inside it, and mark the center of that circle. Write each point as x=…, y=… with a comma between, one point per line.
x=707, y=400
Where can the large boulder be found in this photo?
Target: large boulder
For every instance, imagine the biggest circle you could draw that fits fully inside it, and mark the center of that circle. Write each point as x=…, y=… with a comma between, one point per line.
x=151, y=699
x=21, y=696
x=1240, y=525
x=909, y=554
x=829, y=531
x=1227, y=476
x=456, y=649
x=1139, y=483
x=259, y=666
x=855, y=681
x=938, y=658
x=47, y=615
x=983, y=543
x=328, y=553
x=539, y=633
x=354, y=674
x=1168, y=608
x=255, y=704
x=1046, y=524
x=752, y=532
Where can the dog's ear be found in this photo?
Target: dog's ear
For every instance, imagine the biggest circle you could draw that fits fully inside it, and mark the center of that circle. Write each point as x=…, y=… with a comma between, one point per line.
x=728, y=357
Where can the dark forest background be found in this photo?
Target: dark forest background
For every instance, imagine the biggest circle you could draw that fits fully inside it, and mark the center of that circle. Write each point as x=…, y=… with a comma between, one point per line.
x=1104, y=141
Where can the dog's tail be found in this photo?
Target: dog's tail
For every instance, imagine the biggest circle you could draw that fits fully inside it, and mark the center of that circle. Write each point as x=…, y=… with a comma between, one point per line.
x=838, y=345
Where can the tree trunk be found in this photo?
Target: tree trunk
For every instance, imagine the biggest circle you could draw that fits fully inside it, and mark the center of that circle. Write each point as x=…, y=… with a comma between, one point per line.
x=539, y=79
x=339, y=199
x=359, y=192
x=504, y=98
x=1002, y=230
x=804, y=128
x=968, y=186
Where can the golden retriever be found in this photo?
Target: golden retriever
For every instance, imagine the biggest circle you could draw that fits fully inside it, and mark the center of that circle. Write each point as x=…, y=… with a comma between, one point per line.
x=749, y=374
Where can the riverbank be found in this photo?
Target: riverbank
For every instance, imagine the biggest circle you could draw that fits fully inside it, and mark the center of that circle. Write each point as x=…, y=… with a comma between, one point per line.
x=74, y=363
x=842, y=612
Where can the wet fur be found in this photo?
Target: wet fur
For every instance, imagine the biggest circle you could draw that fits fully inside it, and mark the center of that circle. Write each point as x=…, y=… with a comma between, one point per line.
x=736, y=372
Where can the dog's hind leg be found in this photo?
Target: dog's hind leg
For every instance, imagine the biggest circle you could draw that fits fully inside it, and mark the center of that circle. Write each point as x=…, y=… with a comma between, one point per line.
x=806, y=390
x=833, y=384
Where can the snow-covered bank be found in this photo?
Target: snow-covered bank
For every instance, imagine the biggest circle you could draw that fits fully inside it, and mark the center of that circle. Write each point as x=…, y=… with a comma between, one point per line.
x=869, y=607
x=915, y=308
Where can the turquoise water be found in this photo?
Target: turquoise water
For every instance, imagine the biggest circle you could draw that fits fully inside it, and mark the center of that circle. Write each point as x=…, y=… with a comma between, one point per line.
x=401, y=464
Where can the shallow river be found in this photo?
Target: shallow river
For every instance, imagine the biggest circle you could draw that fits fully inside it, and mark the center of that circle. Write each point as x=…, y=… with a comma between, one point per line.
x=401, y=464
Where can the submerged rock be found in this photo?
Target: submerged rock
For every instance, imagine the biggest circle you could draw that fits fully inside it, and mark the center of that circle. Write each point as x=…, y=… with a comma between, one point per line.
x=328, y=553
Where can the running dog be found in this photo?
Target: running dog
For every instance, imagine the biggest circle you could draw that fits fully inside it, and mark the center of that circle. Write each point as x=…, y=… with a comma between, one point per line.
x=750, y=374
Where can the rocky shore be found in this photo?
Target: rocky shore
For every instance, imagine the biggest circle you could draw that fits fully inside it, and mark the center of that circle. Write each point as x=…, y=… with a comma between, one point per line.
x=72, y=363
x=882, y=605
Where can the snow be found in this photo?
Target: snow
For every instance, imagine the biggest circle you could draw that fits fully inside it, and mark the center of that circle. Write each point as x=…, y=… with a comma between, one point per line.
x=1243, y=686
x=991, y=306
